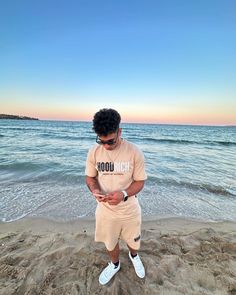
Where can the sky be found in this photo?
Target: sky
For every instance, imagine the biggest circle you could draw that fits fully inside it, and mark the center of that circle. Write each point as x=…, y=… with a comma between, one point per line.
x=159, y=61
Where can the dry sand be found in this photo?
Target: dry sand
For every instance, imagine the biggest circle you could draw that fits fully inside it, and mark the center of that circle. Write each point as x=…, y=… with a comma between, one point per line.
x=180, y=256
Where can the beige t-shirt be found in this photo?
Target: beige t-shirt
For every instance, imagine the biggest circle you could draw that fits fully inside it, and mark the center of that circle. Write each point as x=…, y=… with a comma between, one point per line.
x=115, y=171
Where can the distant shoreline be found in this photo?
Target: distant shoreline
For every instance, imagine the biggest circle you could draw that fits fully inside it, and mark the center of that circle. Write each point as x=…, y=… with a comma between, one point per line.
x=15, y=117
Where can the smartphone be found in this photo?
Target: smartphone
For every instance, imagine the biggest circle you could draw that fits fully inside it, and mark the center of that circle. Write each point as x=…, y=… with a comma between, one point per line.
x=100, y=195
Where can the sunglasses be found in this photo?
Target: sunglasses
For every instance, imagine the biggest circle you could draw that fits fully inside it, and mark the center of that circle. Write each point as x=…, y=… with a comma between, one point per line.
x=108, y=142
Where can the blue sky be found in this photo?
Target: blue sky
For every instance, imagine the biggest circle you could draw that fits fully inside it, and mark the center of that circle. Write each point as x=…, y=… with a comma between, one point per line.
x=157, y=61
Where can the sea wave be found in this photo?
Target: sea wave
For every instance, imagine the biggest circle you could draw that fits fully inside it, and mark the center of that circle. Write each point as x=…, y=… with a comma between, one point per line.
x=66, y=137
x=36, y=173
x=21, y=166
x=215, y=189
x=29, y=172
x=23, y=128
x=183, y=141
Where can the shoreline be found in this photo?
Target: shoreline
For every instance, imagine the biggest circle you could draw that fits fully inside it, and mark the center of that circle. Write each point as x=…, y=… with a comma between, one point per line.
x=81, y=221
x=145, y=218
x=181, y=256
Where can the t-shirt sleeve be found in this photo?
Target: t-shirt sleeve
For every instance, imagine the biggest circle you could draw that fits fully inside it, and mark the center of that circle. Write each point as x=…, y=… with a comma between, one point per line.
x=139, y=166
x=90, y=169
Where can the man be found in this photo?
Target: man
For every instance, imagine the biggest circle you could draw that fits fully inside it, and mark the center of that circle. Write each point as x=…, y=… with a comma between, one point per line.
x=115, y=173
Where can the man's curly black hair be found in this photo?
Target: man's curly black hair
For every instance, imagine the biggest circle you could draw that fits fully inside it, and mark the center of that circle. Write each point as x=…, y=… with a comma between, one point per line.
x=106, y=121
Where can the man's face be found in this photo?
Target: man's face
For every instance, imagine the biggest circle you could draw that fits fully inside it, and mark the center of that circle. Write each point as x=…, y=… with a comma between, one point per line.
x=110, y=141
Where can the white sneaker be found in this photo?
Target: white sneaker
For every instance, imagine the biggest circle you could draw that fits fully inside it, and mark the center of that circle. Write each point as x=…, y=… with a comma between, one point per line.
x=138, y=266
x=108, y=273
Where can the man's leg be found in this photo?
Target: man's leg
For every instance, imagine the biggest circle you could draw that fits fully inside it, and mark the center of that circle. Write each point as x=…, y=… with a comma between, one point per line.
x=114, y=254
x=137, y=263
x=132, y=251
x=112, y=268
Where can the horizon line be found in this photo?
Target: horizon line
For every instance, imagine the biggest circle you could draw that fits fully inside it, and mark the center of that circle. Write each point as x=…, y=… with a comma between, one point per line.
x=146, y=123
x=122, y=122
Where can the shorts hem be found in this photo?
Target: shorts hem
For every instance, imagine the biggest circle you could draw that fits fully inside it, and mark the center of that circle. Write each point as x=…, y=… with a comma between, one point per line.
x=107, y=247
x=134, y=248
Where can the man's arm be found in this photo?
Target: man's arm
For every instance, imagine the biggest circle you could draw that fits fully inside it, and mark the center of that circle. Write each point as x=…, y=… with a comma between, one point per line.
x=135, y=187
x=92, y=184
x=94, y=187
x=115, y=198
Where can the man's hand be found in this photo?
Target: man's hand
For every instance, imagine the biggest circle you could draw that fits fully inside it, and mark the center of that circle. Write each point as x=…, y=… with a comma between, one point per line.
x=114, y=198
x=99, y=196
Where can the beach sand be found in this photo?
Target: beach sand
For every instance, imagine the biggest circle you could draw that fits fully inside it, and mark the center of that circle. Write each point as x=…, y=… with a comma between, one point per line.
x=181, y=257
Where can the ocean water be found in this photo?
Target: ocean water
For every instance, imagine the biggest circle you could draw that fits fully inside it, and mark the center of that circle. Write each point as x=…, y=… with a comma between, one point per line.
x=191, y=170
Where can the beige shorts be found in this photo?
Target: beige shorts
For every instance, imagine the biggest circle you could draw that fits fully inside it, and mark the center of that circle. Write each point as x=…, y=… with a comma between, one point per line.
x=110, y=230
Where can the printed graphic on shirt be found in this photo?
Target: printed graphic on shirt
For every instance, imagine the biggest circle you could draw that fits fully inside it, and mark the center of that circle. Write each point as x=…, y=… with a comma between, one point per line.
x=113, y=167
